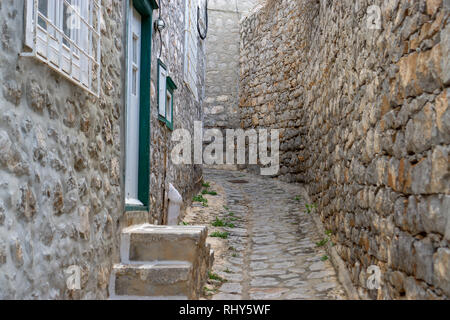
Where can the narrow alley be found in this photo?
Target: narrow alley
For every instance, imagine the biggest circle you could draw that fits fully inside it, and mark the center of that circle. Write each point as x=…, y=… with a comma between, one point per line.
x=224, y=150
x=273, y=249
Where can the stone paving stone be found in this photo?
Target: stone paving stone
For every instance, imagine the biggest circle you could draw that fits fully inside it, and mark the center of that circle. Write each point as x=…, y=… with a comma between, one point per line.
x=258, y=265
x=325, y=286
x=256, y=257
x=288, y=276
x=283, y=265
x=231, y=288
x=274, y=253
x=321, y=274
x=264, y=282
x=267, y=272
x=267, y=294
x=294, y=283
x=226, y=296
x=317, y=266
x=235, y=277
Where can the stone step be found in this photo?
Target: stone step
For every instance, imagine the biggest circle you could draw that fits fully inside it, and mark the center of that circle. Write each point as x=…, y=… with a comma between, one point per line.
x=152, y=281
x=147, y=242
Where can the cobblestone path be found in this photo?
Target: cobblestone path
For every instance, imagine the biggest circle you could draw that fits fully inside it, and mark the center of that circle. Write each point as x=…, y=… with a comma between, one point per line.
x=273, y=245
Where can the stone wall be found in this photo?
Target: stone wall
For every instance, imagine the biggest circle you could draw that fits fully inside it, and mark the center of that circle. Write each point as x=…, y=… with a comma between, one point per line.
x=61, y=164
x=187, y=109
x=60, y=187
x=222, y=71
x=364, y=121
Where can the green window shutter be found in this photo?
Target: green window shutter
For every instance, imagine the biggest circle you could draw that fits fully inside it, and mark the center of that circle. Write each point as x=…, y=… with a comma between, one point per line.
x=166, y=88
x=171, y=87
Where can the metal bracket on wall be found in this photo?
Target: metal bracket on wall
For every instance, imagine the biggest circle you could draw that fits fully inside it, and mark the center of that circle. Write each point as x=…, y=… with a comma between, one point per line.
x=202, y=35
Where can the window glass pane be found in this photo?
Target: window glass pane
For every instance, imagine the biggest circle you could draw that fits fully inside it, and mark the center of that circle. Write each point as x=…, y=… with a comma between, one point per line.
x=134, y=82
x=66, y=22
x=43, y=9
x=135, y=48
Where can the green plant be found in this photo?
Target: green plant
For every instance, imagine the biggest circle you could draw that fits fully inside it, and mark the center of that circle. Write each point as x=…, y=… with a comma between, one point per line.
x=329, y=232
x=201, y=199
x=184, y=223
x=232, y=248
x=227, y=270
x=230, y=225
x=231, y=214
x=322, y=242
x=206, y=185
x=218, y=223
x=223, y=235
x=298, y=198
x=212, y=193
x=235, y=255
x=226, y=208
x=310, y=207
x=324, y=258
x=215, y=276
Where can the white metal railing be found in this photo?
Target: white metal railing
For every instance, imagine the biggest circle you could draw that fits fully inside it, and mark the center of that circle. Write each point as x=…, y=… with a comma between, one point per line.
x=65, y=35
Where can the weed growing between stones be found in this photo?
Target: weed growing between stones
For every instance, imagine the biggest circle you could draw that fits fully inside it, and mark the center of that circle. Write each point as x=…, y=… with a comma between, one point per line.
x=215, y=276
x=206, y=185
x=201, y=199
x=310, y=207
x=212, y=193
x=218, y=223
x=322, y=242
x=217, y=234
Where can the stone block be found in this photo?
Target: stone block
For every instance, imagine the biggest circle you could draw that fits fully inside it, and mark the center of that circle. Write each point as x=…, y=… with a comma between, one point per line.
x=423, y=260
x=420, y=130
x=157, y=280
x=440, y=170
x=433, y=6
x=443, y=115
x=445, y=61
x=441, y=263
x=159, y=243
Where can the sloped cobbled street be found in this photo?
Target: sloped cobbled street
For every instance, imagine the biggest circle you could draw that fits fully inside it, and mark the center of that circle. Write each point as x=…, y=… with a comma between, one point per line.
x=274, y=246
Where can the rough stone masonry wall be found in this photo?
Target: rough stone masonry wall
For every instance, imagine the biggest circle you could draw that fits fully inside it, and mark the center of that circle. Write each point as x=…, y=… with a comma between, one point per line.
x=185, y=178
x=365, y=122
x=221, y=107
x=60, y=169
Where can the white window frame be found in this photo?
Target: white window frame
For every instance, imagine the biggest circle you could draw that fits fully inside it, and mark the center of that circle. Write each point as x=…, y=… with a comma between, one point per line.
x=166, y=89
x=190, y=47
x=76, y=55
x=162, y=88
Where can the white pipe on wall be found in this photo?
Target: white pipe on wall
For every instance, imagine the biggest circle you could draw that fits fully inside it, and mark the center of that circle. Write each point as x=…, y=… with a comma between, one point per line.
x=175, y=202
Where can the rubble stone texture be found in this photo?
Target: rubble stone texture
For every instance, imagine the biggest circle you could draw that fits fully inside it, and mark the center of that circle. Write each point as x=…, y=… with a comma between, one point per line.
x=364, y=122
x=274, y=250
x=62, y=158
x=60, y=182
x=186, y=109
x=222, y=63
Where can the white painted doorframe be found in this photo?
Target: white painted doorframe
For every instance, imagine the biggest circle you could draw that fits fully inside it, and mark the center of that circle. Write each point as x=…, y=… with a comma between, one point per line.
x=133, y=108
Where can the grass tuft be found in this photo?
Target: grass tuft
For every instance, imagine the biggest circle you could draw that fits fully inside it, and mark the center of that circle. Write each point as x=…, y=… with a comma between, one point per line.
x=223, y=235
x=201, y=199
x=215, y=276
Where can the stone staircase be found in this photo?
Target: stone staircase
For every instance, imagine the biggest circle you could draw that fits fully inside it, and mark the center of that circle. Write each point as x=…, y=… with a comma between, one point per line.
x=161, y=263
